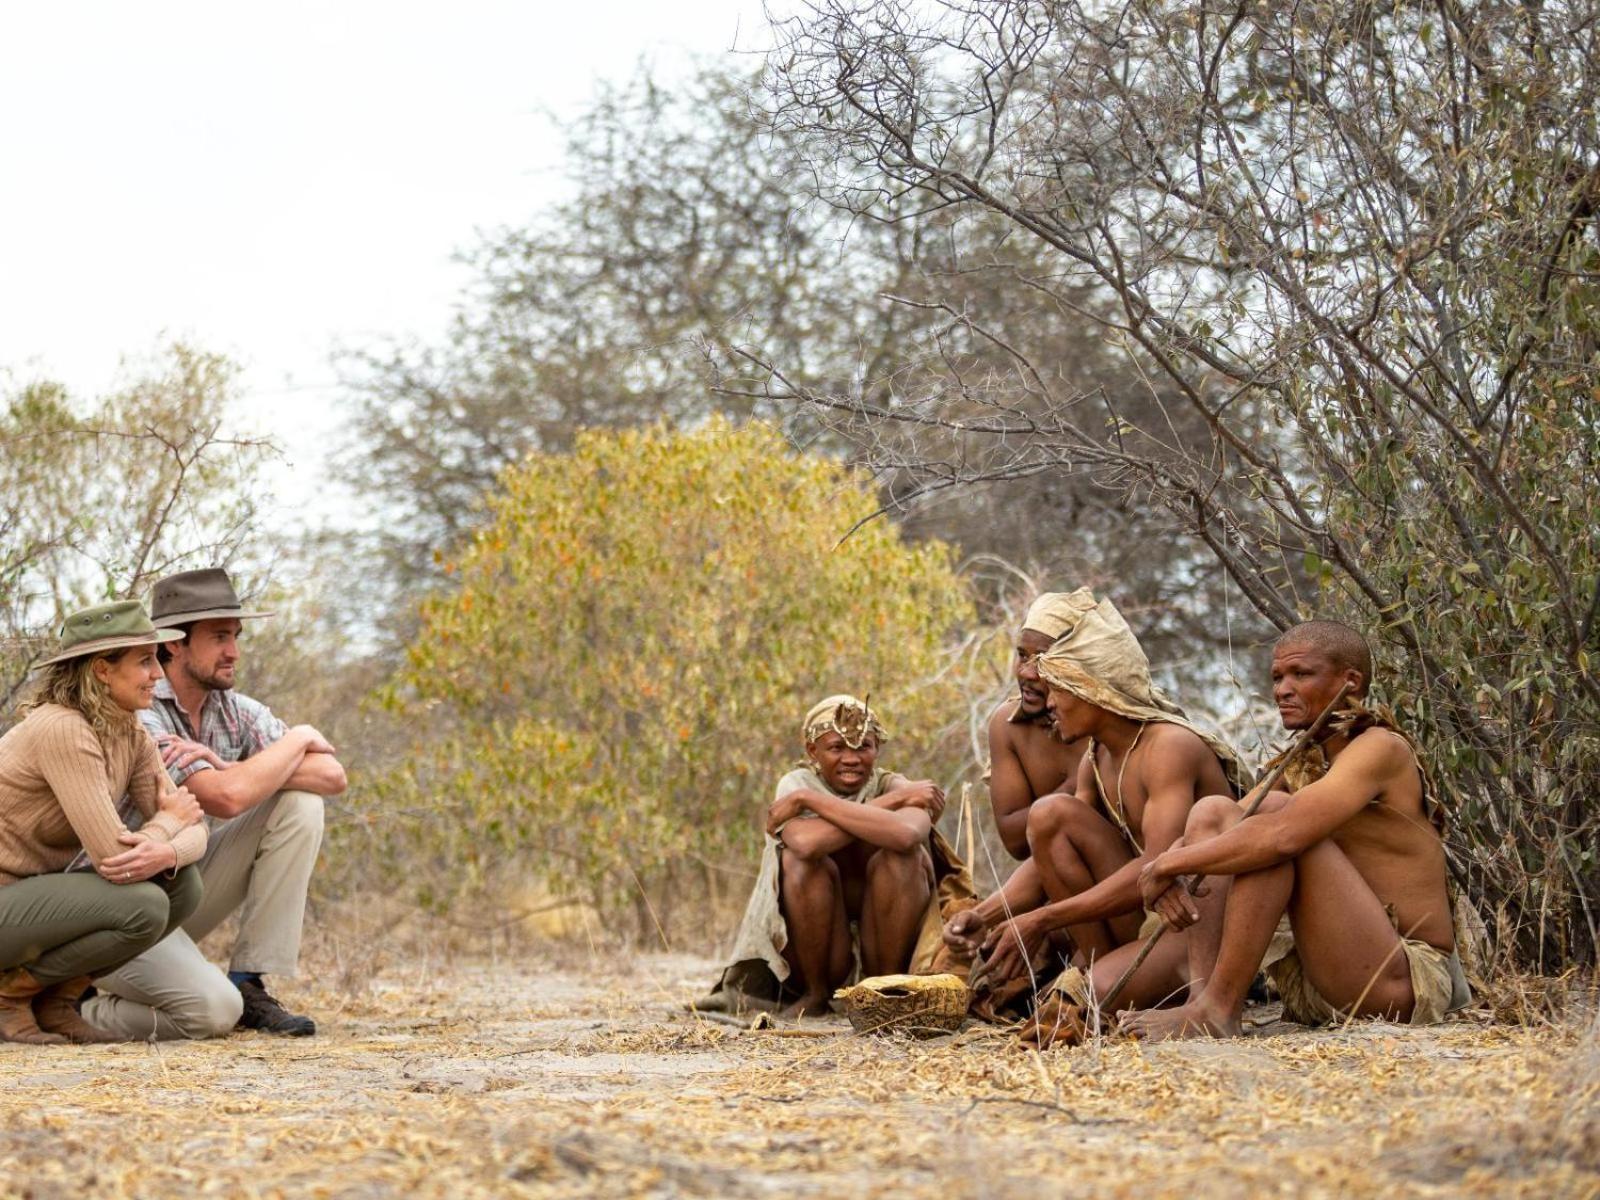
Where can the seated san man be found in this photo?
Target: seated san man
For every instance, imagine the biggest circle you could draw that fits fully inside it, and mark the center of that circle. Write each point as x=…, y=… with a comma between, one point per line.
x=1351, y=852
x=848, y=845
x=1145, y=768
x=1028, y=760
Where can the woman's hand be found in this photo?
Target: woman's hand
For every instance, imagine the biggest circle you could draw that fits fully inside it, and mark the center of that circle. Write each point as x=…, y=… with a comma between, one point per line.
x=181, y=804
x=785, y=809
x=146, y=859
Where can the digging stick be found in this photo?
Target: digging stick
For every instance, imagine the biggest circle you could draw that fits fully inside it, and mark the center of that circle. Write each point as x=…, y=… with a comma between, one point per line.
x=1191, y=884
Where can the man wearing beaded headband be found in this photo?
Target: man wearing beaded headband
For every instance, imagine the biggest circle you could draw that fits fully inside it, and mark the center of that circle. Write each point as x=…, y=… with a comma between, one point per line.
x=1145, y=768
x=846, y=843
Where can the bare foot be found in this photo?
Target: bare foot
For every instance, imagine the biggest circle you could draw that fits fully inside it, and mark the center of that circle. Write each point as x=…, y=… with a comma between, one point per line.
x=808, y=1006
x=1193, y=1020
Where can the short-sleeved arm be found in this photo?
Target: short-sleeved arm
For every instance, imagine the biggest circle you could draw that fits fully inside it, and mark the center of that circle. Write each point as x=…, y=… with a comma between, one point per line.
x=258, y=726
x=73, y=764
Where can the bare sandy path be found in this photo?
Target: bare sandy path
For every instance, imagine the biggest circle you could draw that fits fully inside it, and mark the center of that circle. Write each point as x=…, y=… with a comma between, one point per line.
x=537, y=1081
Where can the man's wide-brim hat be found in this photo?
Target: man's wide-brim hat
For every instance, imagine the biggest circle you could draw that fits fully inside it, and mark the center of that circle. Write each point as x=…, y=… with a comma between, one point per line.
x=191, y=596
x=114, y=626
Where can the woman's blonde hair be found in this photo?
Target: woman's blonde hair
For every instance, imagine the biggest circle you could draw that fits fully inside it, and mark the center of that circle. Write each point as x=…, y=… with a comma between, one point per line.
x=73, y=684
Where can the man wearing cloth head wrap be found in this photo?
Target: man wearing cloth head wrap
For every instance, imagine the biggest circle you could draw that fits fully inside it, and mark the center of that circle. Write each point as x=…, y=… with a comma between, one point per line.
x=847, y=842
x=1027, y=761
x=1145, y=768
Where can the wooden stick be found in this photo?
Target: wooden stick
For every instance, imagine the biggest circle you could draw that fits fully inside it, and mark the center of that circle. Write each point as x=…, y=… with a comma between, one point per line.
x=1191, y=884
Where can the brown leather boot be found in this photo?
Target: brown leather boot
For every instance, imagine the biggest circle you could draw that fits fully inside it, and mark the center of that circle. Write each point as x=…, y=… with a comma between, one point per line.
x=18, y=987
x=56, y=1010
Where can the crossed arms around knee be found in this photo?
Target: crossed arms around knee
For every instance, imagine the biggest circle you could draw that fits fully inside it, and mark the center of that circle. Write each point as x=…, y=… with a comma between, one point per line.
x=301, y=760
x=895, y=820
x=1373, y=764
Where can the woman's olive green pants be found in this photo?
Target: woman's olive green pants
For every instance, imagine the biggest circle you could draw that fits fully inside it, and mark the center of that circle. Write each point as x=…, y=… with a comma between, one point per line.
x=75, y=923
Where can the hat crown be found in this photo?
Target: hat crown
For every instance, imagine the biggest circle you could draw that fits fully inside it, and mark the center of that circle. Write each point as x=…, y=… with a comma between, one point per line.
x=206, y=590
x=119, y=619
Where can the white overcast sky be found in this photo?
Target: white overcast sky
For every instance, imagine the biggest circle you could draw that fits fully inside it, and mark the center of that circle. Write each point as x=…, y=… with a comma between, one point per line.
x=272, y=181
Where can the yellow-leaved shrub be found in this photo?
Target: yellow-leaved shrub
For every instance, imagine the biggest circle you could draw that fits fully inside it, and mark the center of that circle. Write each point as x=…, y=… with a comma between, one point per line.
x=615, y=675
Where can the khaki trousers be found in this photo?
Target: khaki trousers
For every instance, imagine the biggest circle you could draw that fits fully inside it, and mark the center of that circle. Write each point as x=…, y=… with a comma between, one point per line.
x=258, y=864
x=71, y=923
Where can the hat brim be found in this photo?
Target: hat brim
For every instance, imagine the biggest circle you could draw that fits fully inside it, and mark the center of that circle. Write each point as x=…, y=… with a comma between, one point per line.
x=99, y=645
x=168, y=620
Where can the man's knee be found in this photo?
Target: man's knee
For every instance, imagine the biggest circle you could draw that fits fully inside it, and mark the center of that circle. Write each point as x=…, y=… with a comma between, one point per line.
x=1274, y=802
x=797, y=868
x=210, y=1008
x=1049, y=817
x=1210, y=816
x=899, y=869
x=299, y=814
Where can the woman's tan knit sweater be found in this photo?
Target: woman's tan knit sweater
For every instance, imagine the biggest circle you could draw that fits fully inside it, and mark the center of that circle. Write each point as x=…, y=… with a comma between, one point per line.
x=59, y=787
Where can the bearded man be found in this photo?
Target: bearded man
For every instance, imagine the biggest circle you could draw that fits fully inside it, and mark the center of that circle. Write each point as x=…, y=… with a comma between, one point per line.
x=261, y=785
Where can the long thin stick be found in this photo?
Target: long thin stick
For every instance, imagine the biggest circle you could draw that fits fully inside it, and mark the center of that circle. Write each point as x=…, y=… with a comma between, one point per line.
x=1257, y=795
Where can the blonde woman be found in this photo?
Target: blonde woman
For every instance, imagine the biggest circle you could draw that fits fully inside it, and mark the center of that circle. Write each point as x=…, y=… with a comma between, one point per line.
x=78, y=750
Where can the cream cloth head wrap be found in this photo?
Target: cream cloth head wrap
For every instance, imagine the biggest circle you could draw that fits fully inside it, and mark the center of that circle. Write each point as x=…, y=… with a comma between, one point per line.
x=1100, y=661
x=1056, y=613
x=843, y=714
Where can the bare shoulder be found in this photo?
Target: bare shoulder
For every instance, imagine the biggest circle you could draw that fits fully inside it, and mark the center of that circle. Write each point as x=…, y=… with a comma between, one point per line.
x=1174, y=744
x=1000, y=727
x=1381, y=751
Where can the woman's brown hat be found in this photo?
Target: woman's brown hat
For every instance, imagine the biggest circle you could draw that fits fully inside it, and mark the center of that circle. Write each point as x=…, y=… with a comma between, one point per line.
x=112, y=626
x=191, y=596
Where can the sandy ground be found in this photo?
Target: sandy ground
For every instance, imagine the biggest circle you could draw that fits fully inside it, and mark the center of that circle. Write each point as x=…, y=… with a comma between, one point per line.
x=537, y=1081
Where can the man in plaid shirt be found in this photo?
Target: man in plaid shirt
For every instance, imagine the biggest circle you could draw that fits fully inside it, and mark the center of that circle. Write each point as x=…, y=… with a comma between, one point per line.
x=261, y=784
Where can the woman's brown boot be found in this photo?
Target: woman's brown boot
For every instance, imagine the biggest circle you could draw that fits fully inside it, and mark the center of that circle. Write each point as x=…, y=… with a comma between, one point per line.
x=18, y=987
x=56, y=1010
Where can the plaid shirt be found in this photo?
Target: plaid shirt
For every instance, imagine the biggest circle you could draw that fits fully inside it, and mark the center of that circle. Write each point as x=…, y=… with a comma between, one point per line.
x=232, y=726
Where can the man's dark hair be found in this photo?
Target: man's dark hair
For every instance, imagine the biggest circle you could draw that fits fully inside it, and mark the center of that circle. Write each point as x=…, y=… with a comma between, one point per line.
x=163, y=654
x=1343, y=645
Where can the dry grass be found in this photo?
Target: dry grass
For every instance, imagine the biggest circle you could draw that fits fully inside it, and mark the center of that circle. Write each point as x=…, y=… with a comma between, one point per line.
x=534, y=1080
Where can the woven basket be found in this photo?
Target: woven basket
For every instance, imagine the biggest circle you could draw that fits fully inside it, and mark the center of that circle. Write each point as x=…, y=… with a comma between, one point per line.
x=921, y=1005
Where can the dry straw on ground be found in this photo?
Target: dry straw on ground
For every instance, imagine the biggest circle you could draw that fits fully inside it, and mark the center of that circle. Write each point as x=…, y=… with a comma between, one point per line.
x=449, y=1081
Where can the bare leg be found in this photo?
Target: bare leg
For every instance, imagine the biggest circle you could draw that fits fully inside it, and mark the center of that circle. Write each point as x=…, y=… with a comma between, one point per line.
x=1347, y=947
x=1209, y=817
x=818, y=953
x=897, y=891
x=1074, y=847
x=1158, y=980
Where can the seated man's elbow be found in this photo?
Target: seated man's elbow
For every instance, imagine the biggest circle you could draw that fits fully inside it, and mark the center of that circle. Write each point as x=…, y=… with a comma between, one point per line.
x=1016, y=842
x=1290, y=842
x=337, y=782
